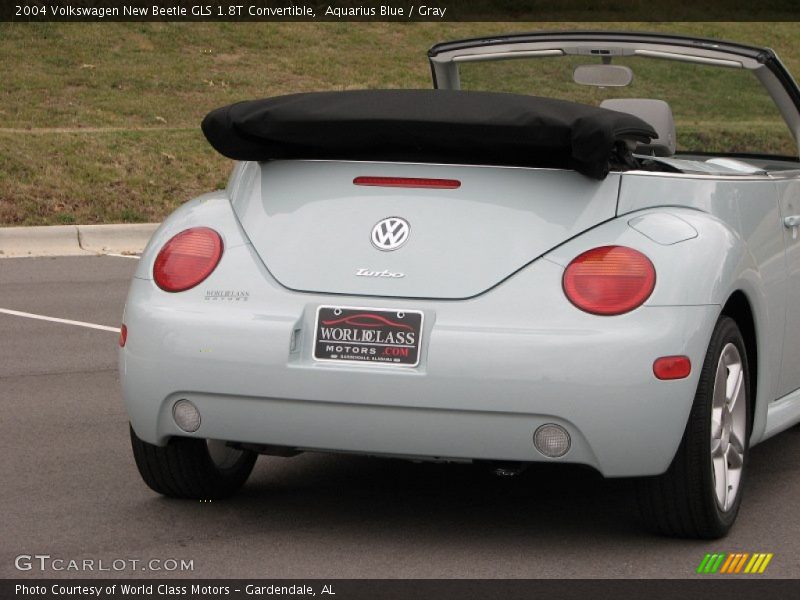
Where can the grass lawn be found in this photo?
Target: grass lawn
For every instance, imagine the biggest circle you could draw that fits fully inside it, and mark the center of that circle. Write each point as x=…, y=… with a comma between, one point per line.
x=100, y=122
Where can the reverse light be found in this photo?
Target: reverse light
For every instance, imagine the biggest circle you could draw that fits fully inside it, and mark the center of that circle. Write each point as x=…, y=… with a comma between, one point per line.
x=187, y=259
x=672, y=367
x=610, y=280
x=186, y=415
x=123, y=335
x=551, y=440
x=409, y=182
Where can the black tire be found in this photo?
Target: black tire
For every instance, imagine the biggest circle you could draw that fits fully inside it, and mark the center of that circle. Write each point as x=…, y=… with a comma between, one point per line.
x=184, y=469
x=682, y=502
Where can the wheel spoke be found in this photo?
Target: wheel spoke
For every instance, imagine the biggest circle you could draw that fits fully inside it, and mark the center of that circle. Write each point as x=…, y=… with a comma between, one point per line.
x=734, y=475
x=716, y=447
x=716, y=426
x=736, y=389
x=736, y=444
x=720, y=466
x=734, y=458
x=718, y=398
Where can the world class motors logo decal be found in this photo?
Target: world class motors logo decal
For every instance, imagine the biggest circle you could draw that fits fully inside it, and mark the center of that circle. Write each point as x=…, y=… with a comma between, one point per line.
x=368, y=335
x=367, y=320
x=735, y=563
x=390, y=233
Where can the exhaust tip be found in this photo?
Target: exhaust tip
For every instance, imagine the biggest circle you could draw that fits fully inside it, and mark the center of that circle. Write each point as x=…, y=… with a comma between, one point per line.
x=509, y=469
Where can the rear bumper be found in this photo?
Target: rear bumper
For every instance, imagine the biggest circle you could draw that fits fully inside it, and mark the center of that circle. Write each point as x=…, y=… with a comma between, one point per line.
x=492, y=370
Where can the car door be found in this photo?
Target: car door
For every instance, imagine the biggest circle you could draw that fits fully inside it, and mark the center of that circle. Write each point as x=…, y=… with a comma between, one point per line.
x=790, y=215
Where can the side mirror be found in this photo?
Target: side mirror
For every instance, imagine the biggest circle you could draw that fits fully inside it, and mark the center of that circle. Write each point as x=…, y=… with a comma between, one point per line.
x=603, y=75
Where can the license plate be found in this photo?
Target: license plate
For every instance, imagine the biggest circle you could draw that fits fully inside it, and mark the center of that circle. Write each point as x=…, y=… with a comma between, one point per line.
x=368, y=335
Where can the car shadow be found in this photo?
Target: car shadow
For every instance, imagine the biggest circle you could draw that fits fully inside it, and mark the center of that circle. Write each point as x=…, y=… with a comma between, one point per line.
x=394, y=496
x=430, y=502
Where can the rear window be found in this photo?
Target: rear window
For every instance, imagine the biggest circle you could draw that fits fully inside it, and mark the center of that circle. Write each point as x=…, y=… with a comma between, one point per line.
x=717, y=110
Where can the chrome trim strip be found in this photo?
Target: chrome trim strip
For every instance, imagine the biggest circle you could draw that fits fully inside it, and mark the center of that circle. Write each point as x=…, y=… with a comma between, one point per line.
x=692, y=58
x=464, y=58
x=772, y=176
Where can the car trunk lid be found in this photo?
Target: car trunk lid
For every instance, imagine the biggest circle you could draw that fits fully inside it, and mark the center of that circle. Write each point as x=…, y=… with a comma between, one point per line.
x=313, y=223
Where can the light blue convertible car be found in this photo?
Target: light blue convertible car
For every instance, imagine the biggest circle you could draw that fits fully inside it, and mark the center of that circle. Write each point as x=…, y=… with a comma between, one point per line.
x=477, y=273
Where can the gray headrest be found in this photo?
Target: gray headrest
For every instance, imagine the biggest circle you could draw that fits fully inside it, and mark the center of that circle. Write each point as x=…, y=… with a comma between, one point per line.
x=656, y=113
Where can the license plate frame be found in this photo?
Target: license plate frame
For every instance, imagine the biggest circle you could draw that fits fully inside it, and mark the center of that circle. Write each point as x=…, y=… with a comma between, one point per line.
x=358, y=335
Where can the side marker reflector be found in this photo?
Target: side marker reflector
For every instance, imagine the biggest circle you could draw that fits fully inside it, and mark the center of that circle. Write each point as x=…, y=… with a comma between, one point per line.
x=123, y=335
x=672, y=367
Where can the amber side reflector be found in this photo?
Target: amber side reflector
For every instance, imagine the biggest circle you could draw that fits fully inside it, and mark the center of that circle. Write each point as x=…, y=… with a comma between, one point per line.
x=123, y=335
x=409, y=182
x=672, y=367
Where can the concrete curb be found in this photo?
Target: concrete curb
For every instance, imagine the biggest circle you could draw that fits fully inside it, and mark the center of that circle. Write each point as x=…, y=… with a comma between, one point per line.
x=74, y=240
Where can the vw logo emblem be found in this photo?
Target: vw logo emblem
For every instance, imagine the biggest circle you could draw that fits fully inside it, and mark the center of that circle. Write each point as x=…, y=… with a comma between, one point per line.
x=390, y=233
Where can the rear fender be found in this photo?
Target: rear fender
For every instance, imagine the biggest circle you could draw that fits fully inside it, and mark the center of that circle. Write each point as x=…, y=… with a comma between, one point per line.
x=705, y=269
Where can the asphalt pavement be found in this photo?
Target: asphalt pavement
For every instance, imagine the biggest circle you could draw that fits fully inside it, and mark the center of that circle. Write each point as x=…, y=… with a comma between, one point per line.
x=69, y=488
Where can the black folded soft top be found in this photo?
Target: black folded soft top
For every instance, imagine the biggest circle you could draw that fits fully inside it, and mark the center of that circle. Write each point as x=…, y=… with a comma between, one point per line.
x=441, y=126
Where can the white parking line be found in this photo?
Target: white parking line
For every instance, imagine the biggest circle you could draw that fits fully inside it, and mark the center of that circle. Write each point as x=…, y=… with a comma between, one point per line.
x=17, y=313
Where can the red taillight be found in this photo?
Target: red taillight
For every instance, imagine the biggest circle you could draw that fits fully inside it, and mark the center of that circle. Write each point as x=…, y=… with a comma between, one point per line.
x=187, y=259
x=409, y=182
x=672, y=367
x=610, y=280
x=123, y=335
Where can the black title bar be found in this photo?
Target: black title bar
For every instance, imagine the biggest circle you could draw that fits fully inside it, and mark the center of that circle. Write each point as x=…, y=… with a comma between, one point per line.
x=740, y=588
x=399, y=11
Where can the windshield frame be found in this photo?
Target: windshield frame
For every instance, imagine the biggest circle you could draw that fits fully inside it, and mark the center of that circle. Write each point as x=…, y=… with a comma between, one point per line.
x=764, y=63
